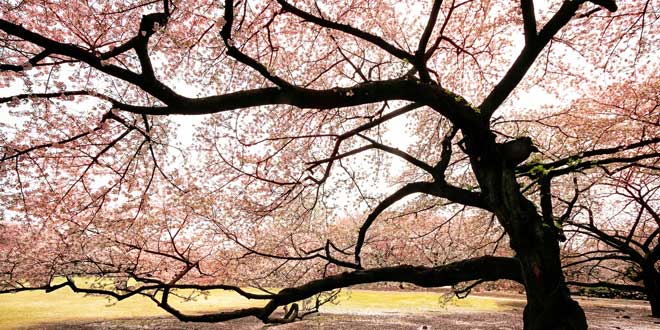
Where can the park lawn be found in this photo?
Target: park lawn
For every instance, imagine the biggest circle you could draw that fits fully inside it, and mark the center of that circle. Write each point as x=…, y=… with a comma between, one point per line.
x=376, y=302
x=27, y=309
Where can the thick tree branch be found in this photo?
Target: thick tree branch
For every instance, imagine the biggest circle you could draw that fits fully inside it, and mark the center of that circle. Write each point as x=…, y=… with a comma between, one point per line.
x=420, y=57
x=149, y=24
x=438, y=189
x=399, y=153
x=151, y=86
x=445, y=102
x=528, y=56
x=365, y=93
x=579, y=161
x=607, y=4
x=486, y=268
x=409, y=189
x=455, y=194
x=529, y=20
x=445, y=155
x=241, y=57
x=378, y=41
x=546, y=200
x=652, y=239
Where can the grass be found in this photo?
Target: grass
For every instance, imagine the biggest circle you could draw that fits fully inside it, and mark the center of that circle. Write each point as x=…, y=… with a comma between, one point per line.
x=32, y=308
x=27, y=309
x=376, y=302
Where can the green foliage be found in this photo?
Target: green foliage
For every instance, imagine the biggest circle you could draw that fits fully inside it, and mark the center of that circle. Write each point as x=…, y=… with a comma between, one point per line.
x=557, y=222
x=573, y=162
x=469, y=187
x=539, y=170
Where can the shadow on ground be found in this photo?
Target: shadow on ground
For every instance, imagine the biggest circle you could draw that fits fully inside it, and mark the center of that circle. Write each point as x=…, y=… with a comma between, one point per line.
x=611, y=317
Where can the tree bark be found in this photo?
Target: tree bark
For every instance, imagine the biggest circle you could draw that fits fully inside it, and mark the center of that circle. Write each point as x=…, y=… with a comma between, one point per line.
x=651, y=279
x=549, y=304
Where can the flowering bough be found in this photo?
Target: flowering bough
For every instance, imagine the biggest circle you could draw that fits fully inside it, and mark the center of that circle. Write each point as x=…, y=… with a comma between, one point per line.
x=296, y=99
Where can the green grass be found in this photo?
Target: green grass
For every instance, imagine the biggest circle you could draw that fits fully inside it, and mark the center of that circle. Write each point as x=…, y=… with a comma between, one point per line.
x=373, y=302
x=63, y=306
x=31, y=308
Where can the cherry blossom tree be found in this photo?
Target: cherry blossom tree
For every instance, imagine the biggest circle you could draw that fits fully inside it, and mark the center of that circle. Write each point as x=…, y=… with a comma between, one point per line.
x=613, y=227
x=295, y=101
x=621, y=247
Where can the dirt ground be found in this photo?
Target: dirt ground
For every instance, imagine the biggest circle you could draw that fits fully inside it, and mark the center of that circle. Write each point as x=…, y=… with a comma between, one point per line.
x=602, y=314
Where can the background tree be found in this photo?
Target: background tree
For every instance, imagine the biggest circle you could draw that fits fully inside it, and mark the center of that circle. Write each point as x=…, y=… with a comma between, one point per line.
x=622, y=251
x=296, y=100
x=608, y=215
x=613, y=229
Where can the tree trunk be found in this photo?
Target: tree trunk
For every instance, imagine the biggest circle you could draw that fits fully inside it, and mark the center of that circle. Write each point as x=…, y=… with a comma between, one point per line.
x=549, y=305
x=651, y=279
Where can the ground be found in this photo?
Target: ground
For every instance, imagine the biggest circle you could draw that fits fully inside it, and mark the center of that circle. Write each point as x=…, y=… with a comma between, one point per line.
x=358, y=309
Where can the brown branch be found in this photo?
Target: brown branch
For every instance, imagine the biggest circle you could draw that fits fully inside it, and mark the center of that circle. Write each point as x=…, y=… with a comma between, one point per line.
x=241, y=57
x=420, y=57
x=530, y=52
x=581, y=164
x=398, y=112
x=445, y=155
x=529, y=20
x=378, y=41
x=151, y=86
x=399, y=153
x=607, y=4
x=438, y=189
x=441, y=100
x=486, y=268
x=409, y=189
